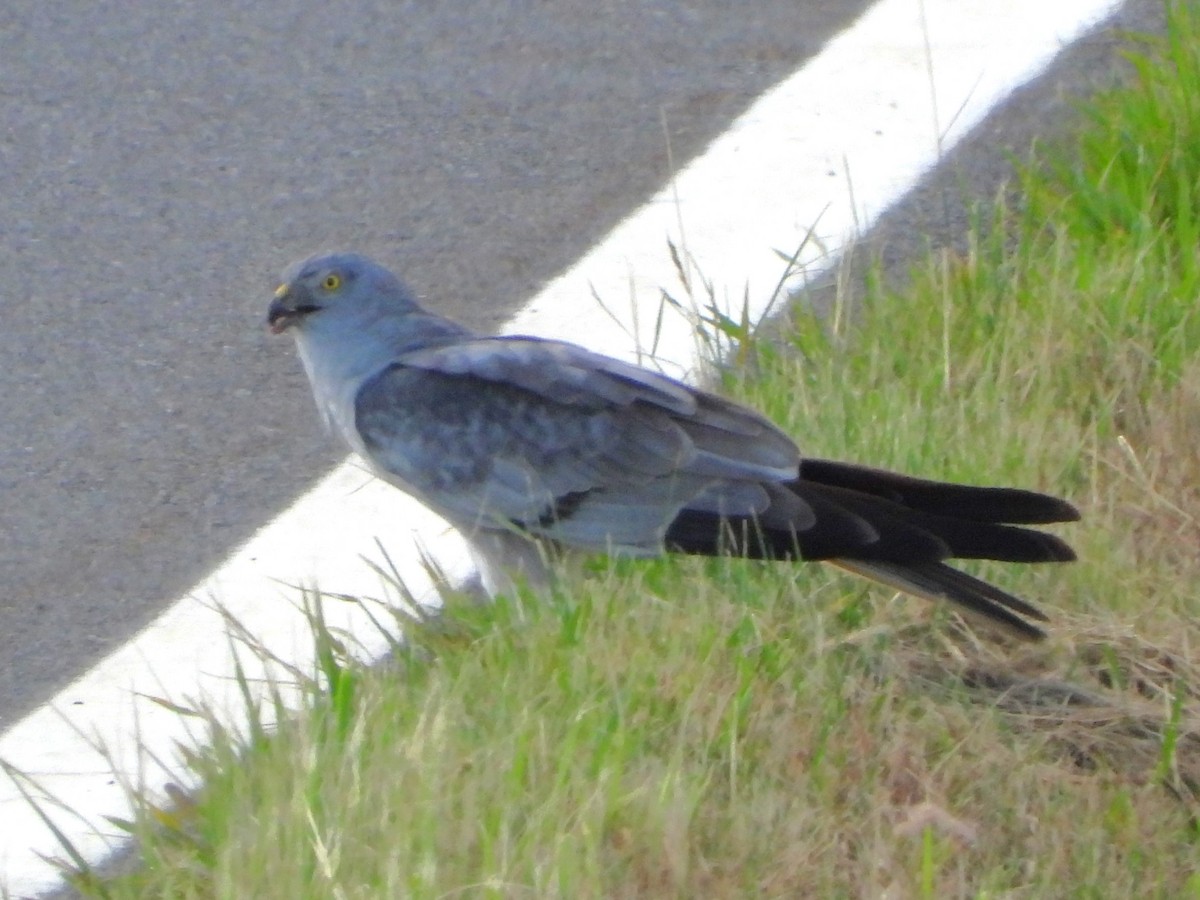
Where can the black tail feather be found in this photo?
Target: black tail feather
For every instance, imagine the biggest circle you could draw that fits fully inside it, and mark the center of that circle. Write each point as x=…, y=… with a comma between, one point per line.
x=959, y=537
x=937, y=582
x=894, y=529
x=858, y=526
x=979, y=504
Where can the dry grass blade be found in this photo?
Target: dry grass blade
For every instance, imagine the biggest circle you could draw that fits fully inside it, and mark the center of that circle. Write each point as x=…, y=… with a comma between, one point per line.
x=1102, y=698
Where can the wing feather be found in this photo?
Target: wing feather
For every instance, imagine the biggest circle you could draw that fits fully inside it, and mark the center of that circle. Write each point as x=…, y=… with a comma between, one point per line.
x=505, y=428
x=732, y=439
x=560, y=372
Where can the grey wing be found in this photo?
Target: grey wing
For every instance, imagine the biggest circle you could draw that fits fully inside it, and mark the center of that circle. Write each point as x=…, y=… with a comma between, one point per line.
x=564, y=443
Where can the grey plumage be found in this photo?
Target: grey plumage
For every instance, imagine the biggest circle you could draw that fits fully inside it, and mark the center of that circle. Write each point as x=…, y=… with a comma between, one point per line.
x=524, y=443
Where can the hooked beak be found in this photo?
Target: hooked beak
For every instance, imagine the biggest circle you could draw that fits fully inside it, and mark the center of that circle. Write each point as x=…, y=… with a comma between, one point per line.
x=288, y=308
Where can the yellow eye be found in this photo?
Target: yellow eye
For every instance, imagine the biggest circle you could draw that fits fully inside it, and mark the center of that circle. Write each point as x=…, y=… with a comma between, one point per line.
x=331, y=282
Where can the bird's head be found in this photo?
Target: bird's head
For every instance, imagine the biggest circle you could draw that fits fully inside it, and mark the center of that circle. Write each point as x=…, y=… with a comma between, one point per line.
x=335, y=288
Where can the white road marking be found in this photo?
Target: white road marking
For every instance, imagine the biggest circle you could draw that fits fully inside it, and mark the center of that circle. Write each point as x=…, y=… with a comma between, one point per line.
x=863, y=108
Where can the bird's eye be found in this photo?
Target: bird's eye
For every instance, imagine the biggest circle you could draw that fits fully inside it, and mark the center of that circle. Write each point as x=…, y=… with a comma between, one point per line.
x=331, y=282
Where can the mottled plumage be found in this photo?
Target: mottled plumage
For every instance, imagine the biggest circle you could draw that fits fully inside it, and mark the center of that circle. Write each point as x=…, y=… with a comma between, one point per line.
x=519, y=440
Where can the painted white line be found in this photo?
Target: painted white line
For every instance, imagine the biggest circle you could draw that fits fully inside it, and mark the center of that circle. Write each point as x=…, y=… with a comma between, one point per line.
x=863, y=107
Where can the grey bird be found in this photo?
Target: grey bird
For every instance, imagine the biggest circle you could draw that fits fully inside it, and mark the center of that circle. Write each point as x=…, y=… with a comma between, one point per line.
x=531, y=446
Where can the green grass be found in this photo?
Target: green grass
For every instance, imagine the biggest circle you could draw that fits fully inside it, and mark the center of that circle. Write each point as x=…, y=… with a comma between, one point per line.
x=719, y=729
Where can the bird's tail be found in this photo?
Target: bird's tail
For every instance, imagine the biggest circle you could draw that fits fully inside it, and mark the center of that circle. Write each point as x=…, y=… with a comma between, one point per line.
x=893, y=529
x=938, y=582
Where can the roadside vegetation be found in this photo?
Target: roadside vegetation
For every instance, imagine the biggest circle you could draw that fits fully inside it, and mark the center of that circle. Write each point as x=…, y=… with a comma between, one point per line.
x=723, y=729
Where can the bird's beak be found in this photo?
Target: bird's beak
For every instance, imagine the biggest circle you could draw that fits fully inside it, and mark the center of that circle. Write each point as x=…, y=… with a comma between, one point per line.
x=288, y=307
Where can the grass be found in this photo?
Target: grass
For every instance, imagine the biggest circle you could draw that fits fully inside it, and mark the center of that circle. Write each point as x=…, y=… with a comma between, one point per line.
x=719, y=729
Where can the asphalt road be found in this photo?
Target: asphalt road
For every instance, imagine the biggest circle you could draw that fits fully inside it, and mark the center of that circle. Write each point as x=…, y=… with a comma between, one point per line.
x=160, y=163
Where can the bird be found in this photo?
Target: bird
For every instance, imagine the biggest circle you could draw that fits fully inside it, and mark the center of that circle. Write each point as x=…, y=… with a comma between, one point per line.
x=532, y=447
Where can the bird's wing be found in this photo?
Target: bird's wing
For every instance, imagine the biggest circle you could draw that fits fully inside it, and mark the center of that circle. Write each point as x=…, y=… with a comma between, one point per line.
x=564, y=443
